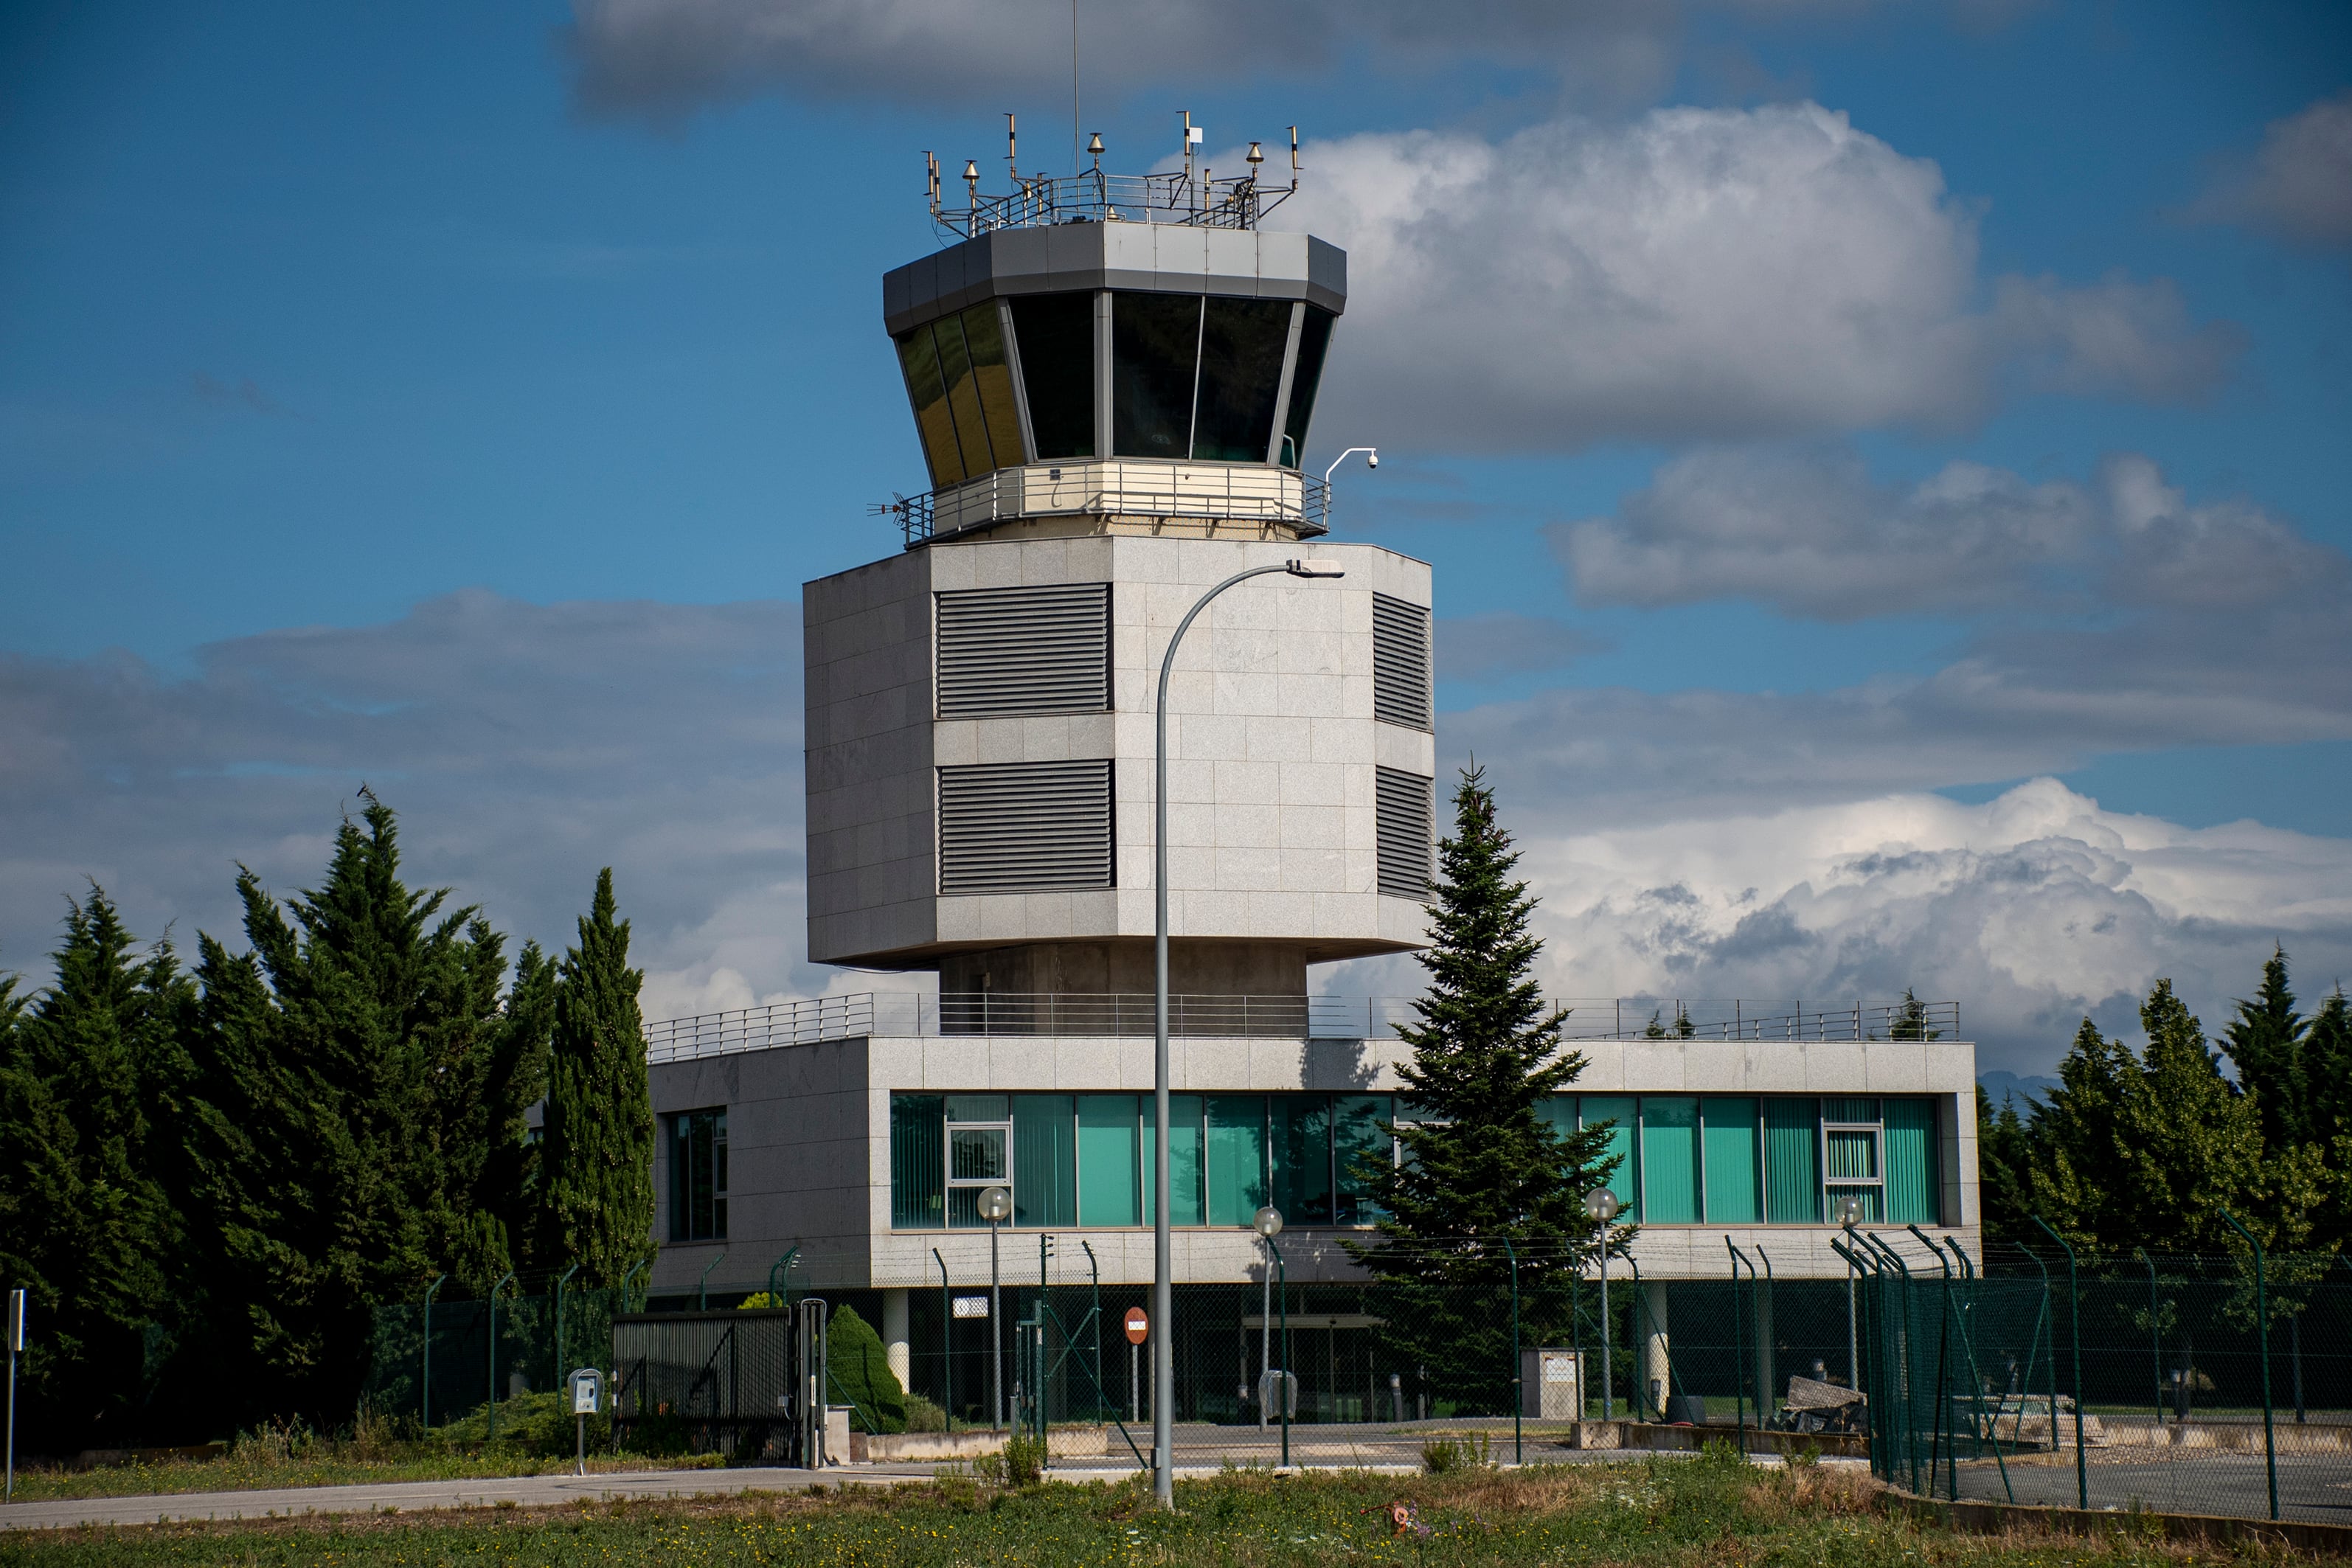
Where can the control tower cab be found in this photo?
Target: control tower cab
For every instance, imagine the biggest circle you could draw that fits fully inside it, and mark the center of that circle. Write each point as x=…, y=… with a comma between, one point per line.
x=1113, y=381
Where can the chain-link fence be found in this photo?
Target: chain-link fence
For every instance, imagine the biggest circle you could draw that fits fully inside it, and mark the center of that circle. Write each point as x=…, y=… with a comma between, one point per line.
x=434, y=1362
x=2200, y=1384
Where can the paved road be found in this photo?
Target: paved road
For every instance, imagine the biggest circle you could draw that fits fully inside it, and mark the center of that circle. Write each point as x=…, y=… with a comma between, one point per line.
x=1201, y=1451
x=2316, y=1487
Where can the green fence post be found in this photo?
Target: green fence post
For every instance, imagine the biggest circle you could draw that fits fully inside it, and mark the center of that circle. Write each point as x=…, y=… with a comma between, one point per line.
x=2262, y=1325
x=1874, y=1403
x=702, y=1285
x=1281, y=1387
x=947, y=1339
x=1518, y=1377
x=494, y=1354
x=2074, y=1325
x=2154, y=1343
x=1903, y=1360
x=1739, y=1368
x=425, y=1377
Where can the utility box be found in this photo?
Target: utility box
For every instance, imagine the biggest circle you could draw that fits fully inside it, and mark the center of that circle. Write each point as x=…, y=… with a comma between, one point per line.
x=837, y=1433
x=1551, y=1384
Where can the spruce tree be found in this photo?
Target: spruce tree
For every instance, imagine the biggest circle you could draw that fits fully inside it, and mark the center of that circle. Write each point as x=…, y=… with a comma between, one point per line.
x=1482, y=1165
x=87, y=1225
x=2265, y=1043
x=2004, y=1170
x=596, y=1191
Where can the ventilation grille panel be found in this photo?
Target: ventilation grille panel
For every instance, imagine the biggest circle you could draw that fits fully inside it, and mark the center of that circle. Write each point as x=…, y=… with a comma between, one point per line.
x=1401, y=687
x=1025, y=827
x=1024, y=650
x=1405, y=833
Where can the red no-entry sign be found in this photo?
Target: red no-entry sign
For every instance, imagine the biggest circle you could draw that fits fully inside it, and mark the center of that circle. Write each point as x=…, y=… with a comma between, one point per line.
x=1139, y=1326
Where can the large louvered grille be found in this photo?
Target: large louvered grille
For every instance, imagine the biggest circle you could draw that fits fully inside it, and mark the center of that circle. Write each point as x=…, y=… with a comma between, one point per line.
x=1399, y=662
x=1025, y=827
x=1405, y=825
x=1025, y=650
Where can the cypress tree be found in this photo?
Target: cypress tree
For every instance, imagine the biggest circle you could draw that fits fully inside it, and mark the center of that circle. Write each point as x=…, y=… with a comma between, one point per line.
x=338, y=1130
x=596, y=1155
x=1483, y=1164
x=85, y=1226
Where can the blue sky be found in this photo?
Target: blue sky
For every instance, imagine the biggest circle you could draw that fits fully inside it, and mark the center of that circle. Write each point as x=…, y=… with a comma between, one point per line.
x=312, y=318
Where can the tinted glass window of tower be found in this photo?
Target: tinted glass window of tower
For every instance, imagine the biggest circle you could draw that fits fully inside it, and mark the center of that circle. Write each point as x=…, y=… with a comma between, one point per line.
x=698, y=1177
x=1055, y=335
x=1314, y=344
x=960, y=381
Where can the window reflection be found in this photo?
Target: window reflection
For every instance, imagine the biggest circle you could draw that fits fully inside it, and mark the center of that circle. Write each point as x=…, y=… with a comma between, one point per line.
x=918, y=358
x=1314, y=344
x=1056, y=333
x=1155, y=346
x=1241, y=345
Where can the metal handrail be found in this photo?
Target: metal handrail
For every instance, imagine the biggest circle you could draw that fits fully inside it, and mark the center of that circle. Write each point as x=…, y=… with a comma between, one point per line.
x=1194, y=489
x=1003, y=1013
x=1039, y=201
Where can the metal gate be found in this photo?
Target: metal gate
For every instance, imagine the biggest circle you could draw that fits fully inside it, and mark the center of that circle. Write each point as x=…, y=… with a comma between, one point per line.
x=733, y=1382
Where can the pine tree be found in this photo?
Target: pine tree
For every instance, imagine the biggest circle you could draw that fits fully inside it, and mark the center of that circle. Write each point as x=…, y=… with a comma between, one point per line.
x=2265, y=1043
x=2004, y=1170
x=1481, y=1165
x=85, y=1226
x=596, y=1155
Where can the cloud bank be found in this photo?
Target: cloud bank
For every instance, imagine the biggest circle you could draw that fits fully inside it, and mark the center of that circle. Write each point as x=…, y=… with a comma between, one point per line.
x=2298, y=185
x=1699, y=273
x=1809, y=534
x=1699, y=842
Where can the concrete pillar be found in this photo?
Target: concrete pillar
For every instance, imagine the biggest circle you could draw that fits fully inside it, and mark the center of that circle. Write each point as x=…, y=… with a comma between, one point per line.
x=894, y=1348
x=1657, y=1367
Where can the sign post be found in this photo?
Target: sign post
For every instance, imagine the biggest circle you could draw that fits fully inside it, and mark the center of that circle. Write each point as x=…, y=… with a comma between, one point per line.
x=587, y=1399
x=15, y=1346
x=1138, y=1328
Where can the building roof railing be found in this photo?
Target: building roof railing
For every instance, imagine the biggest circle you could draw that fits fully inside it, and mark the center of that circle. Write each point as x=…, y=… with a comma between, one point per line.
x=1138, y=488
x=923, y=1014
x=1177, y=197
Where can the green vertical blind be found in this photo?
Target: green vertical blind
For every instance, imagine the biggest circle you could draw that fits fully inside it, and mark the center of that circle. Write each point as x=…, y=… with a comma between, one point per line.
x=1084, y=1159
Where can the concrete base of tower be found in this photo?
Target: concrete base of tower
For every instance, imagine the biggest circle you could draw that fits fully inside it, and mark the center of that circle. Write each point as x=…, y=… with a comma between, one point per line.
x=1126, y=966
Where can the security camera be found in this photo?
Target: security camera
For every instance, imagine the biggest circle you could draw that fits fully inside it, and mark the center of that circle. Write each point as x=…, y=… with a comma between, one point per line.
x=1373, y=461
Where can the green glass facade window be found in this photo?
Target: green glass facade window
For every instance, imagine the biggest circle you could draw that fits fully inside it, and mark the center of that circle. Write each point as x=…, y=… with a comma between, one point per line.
x=1185, y=1204
x=919, y=1191
x=1793, y=1180
x=1360, y=1146
x=1302, y=1158
x=1670, y=1169
x=1624, y=1180
x=1730, y=1153
x=1045, y=1161
x=1236, y=1157
x=1110, y=1164
x=1913, y=1171
x=1084, y=1159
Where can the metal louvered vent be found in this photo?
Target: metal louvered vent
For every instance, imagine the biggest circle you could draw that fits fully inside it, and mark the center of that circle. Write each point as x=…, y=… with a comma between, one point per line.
x=1024, y=650
x=1025, y=827
x=1405, y=831
x=1400, y=692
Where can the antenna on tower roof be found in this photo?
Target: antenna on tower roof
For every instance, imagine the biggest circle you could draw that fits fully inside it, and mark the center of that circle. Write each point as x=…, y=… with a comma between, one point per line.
x=1011, y=150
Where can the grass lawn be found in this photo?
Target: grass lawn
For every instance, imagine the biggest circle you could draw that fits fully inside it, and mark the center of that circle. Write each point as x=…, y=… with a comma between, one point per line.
x=1664, y=1511
x=534, y=1438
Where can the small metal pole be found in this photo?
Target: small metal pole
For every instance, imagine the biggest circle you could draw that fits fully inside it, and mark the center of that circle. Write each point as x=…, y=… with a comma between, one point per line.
x=16, y=1345
x=1281, y=1387
x=1518, y=1372
x=947, y=1339
x=2075, y=1323
x=425, y=1375
x=995, y=1335
x=2262, y=1324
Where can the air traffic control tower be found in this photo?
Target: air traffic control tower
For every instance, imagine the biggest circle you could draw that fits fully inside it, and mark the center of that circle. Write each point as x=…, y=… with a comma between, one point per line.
x=1114, y=382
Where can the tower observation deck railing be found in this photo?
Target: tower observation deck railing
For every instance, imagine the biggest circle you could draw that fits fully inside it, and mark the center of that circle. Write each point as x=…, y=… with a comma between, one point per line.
x=923, y=1014
x=1176, y=197
x=1141, y=488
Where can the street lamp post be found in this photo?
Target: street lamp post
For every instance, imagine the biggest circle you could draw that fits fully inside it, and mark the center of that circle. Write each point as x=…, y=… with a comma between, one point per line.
x=1271, y=1385
x=1600, y=1207
x=1163, y=1292
x=996, y=1203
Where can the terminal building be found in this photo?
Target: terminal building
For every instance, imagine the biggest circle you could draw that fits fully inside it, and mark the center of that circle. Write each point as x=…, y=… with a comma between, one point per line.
x=1113, y=385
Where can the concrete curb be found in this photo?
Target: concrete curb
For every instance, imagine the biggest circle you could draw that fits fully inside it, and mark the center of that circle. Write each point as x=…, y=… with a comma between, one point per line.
x=1995, y=1518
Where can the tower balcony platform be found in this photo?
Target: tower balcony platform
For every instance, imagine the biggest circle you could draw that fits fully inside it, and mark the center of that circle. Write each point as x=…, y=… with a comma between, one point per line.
x=1044, y=500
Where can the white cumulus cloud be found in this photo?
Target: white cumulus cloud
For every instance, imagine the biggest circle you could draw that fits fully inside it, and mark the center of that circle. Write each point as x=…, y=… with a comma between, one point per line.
x=1697, y=273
